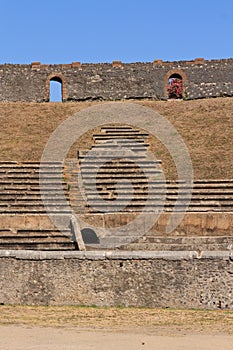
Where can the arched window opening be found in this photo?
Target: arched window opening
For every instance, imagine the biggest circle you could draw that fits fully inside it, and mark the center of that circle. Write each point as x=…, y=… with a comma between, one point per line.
x=55, y=90
x=175, y=86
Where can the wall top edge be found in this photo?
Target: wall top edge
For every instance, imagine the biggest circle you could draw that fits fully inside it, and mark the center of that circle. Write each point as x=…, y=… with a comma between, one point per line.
x=116, y=255
x=155, y=62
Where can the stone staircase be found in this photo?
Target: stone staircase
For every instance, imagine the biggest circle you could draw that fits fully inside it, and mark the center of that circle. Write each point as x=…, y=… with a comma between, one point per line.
x=117, y=170
x=128, y=181
x=23, y=219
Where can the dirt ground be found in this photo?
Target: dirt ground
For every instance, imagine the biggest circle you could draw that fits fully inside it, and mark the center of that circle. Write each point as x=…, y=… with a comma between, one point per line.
x=91, y=328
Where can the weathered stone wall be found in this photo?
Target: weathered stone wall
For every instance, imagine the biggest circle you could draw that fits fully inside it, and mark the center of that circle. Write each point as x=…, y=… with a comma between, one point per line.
x=115, y=81
x=162, y=279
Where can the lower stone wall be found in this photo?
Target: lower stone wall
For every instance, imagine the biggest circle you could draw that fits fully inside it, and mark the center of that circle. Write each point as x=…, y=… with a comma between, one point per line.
x=149, y=279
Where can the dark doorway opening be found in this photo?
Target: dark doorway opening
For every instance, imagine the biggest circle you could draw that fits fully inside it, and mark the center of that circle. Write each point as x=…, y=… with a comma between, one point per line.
x=89, y=236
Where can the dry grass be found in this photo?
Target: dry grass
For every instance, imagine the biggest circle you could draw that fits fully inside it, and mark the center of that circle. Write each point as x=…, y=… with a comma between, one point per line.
x=205, y=125
x=120, y=318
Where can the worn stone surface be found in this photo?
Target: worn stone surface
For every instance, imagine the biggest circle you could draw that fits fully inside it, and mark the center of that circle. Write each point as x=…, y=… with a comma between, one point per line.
x=30, y=82
x=162, y=279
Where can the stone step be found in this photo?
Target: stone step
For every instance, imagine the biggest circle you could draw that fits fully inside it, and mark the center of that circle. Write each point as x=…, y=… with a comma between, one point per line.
x=125, y=133
x=122, y=170
x=119, y=139
x=174, y=247
x=107, y=166
x=32, y=210
x=115, y=135
x=27, y=170
x=29, y=164
x=51, y=232
x=101, y=150
x=23, y=203
x=167, y=243
x=30, y=189
x=34, y=185
x=139, y=181
x=27, y=179
x=47, y=246
x=96, y=164
x=42, y=239
x=31, y=169
x=118, y=127
x=186, y=240
x=15, y=193
x=109, y=128
x=29, y=176
x=29, y=239
x=186, y=247
x=213, y=181
x=155, y=191
x=170, y=201
x=151, y=208
x=128, y=162
x=181, y=187
x=108, y=139
x=142, y=196
x=121, y=175
x=35, y=199
x=121, y=143
x=109, y=154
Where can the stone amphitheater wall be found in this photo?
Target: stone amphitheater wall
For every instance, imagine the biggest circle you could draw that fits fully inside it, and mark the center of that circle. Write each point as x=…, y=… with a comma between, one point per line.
x=116, y=80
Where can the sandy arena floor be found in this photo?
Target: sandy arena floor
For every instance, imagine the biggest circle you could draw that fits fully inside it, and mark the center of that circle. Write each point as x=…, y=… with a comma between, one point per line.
x=38, y=338
x=100, y=328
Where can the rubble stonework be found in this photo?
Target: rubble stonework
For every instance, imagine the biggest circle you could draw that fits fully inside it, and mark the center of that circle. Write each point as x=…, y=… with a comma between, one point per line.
x=150, y=279
x=115, y=81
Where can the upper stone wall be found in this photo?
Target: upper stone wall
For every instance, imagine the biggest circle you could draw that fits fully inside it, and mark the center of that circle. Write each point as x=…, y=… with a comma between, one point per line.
x=112, y=81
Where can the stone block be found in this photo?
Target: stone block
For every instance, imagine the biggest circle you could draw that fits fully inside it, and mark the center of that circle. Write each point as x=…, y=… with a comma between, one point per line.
x=116, y=63
x=157, y=62
x=199, y=61
x=35, y=65
x=76, y=64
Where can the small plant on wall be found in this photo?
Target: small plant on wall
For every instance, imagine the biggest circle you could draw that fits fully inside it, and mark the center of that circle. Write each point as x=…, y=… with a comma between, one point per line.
x=175, y=88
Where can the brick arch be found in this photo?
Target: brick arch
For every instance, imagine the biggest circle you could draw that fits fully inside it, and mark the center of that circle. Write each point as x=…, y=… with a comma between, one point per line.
x=167, y=76
x=56, y=77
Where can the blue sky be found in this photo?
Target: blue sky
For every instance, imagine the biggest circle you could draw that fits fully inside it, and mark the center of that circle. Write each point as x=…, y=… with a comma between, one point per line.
x=55, y=31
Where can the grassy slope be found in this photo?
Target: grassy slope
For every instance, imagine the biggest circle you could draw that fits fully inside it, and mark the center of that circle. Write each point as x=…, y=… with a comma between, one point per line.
x=205, y=125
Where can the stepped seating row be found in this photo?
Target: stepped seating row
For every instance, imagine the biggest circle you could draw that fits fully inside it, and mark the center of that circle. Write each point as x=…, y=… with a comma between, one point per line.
x=114, y=183
x=32, y=239
x=157, y=243
x=121, y=185
x=20, y=190
x=135, y=184
x=20, y=196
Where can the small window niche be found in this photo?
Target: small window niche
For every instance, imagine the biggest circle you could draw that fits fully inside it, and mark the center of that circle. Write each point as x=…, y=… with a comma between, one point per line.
x=175, y=86
x=55, y=90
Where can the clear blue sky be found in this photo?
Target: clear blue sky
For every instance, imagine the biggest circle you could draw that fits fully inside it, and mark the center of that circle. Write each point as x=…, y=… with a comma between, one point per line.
x=55, y=31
